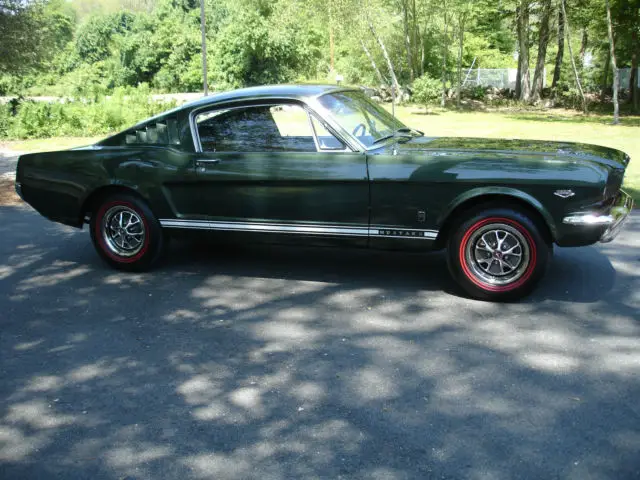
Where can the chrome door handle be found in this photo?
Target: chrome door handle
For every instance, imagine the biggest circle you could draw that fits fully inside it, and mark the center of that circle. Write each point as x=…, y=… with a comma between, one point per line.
x=208, y=161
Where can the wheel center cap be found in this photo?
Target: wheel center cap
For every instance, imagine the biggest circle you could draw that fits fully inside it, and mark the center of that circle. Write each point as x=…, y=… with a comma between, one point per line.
x=497, y=255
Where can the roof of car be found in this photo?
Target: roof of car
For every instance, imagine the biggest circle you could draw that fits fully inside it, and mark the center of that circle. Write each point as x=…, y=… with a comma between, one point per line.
x=299, y=92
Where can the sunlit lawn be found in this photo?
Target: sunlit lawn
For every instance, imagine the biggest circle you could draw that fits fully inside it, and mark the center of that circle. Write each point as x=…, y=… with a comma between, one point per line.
x=564, y=126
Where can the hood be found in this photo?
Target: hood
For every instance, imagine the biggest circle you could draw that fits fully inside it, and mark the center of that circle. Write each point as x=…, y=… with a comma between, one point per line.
x=612, y=158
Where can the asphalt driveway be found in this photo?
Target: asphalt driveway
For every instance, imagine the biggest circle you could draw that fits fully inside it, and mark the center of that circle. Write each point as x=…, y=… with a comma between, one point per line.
x=270, y=363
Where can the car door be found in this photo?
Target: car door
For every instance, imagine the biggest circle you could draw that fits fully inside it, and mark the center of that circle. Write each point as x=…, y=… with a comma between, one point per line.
x=276, y=172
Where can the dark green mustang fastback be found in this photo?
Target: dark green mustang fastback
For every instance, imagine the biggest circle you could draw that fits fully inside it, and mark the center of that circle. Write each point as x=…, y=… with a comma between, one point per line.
x=324, y=165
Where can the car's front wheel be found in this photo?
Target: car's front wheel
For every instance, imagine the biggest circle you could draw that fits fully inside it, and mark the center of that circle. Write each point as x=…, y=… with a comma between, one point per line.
x=498, y=254
x=125, y=233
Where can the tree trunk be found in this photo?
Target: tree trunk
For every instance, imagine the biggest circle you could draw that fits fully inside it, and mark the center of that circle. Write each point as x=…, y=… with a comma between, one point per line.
x=583, y=45
x=419, y=39
x=461, y=21
x=616, y=79
x=573, y=60
x=381, y=78
x=559, y=56
x=445, y=49
x=415, y=36
x=543, y=42
x=605, y=77
x=407, y=39
x=385, y=54
x=331, y=41
x=633, y=78
x=203, y=28
x=523, y=56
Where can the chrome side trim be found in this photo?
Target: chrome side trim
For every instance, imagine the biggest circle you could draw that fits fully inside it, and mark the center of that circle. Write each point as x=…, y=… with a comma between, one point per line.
x=265, y=227
x=301, y=229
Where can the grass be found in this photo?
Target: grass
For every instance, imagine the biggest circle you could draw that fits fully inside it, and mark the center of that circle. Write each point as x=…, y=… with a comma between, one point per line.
x=561, y=125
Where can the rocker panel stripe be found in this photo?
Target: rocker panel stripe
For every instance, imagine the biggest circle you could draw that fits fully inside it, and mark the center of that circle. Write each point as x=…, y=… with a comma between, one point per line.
x=301, y=229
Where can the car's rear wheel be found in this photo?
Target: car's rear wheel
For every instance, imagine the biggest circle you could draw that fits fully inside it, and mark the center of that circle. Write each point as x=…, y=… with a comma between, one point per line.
x=498, y=254
x=125, y=233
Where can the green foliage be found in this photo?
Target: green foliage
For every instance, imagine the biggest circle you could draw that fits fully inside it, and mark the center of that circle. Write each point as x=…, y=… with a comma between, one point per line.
x=253, y=50
x=477, y=92
x=125, y=107
x=94, y=36
x=87, y=49
x=5, y=120
x=426, y=90
x=32, y=31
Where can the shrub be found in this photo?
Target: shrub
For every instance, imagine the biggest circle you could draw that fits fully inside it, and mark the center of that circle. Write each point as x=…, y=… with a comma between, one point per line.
x=5, y=120
x=426, y=89
x=477, y=92
x=126, y=107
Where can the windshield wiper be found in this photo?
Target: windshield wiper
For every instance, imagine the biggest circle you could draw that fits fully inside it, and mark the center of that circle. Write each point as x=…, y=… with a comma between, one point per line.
x=401, y=132
x=409, y=130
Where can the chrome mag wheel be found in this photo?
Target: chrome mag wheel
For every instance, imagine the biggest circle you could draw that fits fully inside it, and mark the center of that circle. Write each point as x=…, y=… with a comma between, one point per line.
x=497, y=254
x=123, y=231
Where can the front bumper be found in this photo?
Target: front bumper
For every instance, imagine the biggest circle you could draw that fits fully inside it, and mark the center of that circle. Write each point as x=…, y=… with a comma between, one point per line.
x=612, y=222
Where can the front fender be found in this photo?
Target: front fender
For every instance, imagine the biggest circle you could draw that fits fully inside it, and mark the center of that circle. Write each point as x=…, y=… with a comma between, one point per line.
x=493, y=191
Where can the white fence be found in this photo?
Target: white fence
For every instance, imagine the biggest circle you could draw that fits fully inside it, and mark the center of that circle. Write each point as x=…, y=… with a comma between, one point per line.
x=624, y=74
x=490, y=77
x=506, y=77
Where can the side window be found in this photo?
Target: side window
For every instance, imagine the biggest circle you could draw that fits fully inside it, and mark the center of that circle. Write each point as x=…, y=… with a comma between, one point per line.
x=326, y=140
x=159, y=132
x=264, y=128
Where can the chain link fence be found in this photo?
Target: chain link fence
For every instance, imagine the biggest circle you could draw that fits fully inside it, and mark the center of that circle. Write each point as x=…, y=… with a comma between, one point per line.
x=490, y=77
x=623, y=80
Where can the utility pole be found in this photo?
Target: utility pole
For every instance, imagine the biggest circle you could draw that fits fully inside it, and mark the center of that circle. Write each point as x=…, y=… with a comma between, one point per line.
x=203, y=27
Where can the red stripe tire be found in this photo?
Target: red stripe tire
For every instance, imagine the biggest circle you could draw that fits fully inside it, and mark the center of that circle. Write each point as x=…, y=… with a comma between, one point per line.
x=497, y=254
x=125, y=233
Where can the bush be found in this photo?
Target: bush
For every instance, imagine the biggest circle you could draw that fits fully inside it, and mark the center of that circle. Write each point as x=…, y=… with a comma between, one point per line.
x=5, y=120
x=477, y=92
x=426, y=90
x=568, y=95
x=126, y=107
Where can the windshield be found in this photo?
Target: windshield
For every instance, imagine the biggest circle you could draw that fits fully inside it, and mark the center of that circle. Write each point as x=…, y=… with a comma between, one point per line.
x=367, y=121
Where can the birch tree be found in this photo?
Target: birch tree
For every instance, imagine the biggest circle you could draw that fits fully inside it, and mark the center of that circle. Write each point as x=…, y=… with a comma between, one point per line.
x=616, y=76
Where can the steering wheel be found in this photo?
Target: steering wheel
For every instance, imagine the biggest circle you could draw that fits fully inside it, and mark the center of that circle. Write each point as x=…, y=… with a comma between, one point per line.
x=359, y=126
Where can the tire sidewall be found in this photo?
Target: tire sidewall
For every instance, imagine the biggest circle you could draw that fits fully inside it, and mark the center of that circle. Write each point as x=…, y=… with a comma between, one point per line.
x=539, y=253
x=152, y=246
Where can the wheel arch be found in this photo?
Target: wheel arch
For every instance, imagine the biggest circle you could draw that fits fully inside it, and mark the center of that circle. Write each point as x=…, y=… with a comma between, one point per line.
x=500, y=197
x=92, y=200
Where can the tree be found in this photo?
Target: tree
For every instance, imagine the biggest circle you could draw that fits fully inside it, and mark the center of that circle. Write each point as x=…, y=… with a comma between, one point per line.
x=543, y=42
x=445, y=50
x=573, y=60
x=633, y=78
x=616, y=77
x=560, y=55
x=21, y=47
x=379, y=75
x=385, y=53
x=523, y=84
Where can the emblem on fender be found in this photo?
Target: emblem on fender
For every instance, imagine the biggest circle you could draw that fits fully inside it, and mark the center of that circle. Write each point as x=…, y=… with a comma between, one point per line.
x=564, y=193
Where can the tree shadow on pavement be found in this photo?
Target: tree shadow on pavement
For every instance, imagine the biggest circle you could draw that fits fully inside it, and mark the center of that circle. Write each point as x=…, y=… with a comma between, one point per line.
x=261, y=362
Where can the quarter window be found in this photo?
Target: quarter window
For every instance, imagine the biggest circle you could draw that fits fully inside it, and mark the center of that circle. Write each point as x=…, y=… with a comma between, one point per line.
x=160, y=132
